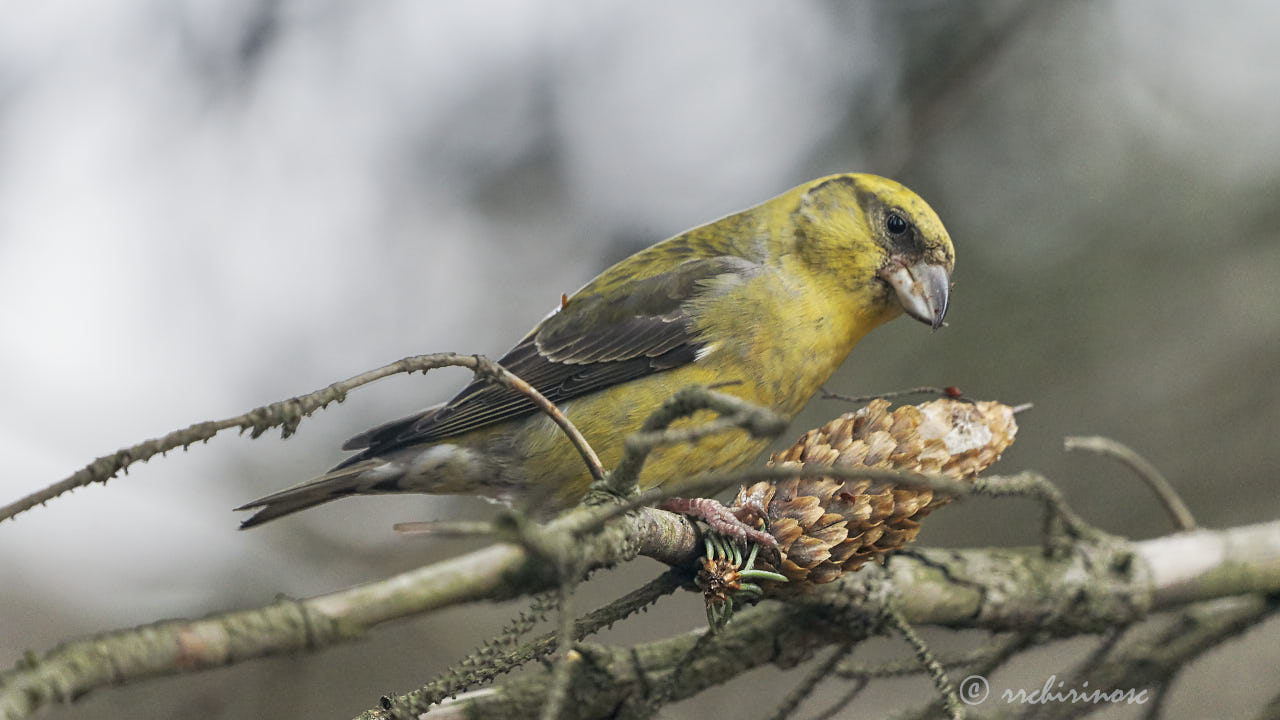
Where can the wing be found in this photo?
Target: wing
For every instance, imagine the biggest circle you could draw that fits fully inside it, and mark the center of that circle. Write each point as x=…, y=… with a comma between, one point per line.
x=592, y=343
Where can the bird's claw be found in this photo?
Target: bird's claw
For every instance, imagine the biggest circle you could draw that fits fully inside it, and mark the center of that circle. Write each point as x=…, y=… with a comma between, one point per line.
x=722, y=520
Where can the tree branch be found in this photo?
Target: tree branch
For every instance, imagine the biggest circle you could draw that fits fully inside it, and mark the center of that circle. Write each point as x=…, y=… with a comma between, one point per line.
x=1018, y=590
x=1102, y=584
x=500, y=571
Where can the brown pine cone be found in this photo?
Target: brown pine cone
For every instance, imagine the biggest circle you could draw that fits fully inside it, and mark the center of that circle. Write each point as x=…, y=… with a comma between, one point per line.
x=827, y=527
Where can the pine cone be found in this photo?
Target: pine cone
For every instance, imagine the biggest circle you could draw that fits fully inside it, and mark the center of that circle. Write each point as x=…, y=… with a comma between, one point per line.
x=827, y=527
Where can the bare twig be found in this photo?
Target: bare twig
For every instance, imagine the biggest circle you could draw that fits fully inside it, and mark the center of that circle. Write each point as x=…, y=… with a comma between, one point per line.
x=287, y=414
x=1061, y=523
x=480, y=665
x=1149, y=663
x=802, y=690
x=947, y=392
x=843, y=701
x=992, y=657
x=1177, y=510
x=996, y=651
x=666, y=691
x=1100, y=653
x=922, y=390
x=896, y=139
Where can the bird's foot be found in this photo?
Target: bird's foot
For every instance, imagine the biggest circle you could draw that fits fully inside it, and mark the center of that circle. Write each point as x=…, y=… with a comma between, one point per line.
x=721, y=520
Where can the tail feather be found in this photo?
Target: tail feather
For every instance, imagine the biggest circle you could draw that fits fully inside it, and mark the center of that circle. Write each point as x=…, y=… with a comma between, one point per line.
x=440, y=468
x=335, y=484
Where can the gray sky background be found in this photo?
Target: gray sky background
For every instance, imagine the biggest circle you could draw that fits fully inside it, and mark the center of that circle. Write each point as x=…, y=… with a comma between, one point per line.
x=208, y=205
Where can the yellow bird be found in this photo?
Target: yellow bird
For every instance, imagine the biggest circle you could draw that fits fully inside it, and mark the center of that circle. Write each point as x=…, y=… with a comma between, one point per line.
x=773, y=297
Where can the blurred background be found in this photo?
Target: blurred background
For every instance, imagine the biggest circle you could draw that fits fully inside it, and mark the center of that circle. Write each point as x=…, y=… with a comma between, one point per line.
x=209, y=205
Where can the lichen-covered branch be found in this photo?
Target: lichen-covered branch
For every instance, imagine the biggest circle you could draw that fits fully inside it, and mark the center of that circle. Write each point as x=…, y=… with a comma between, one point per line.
x=1103, y=585
x=501, y=571
x=1098, y=586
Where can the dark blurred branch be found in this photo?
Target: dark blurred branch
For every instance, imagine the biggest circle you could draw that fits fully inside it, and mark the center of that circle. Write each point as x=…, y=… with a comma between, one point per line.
x=990, y=654
x=933, y=99
x=815, y=677
x=1155, y=657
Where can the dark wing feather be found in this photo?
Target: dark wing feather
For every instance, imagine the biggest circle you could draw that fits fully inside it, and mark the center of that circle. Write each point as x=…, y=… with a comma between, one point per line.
x=593, y=343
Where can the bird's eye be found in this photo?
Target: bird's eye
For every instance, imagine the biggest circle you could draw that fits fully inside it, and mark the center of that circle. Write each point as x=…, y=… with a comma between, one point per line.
x=895, y=224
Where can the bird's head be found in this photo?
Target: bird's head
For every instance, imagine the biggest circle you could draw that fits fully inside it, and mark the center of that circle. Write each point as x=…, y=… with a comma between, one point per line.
x=877, y=235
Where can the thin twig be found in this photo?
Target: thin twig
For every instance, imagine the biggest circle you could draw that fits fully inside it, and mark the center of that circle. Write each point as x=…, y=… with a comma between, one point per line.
x=849, y=696
x=806, y=686
x=1177, y=510
x=922, y=390
x=972, y=688
x=1061, y=523
x=998, y=649
x=1149, y=663
x=287, y=414
x=663, y=693
x=1100, y=654
x=1155, y=708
